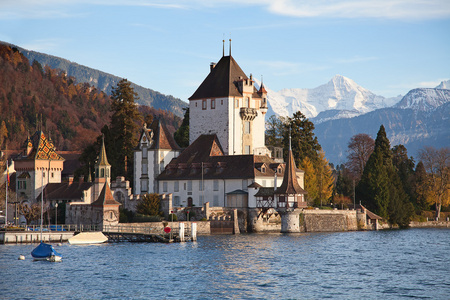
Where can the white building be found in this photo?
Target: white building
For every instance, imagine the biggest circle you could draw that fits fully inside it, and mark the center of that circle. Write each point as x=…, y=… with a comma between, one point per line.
x=228, y=104
x=155, y=149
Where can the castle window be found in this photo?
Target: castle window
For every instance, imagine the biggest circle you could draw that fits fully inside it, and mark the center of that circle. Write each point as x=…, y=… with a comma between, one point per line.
x=176, y=201
x=203, y=104
x=247, y=127
x=102, y=172
x=164, y=186
x=247, y=149
x=263, y=169
x=247, y=102
x=213, y=103
x=189, y=185
x=53, y=175
x=195, y=104
x=237, y=102
x=176, y=186
x=216, y=185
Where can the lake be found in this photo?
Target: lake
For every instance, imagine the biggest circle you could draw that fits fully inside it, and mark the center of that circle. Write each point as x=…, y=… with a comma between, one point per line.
x=389, y=264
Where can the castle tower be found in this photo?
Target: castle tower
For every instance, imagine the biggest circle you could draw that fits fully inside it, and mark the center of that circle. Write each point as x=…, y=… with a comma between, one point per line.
x=290, y=197
x=228, y=104
x=102, y=171
x=38, y=166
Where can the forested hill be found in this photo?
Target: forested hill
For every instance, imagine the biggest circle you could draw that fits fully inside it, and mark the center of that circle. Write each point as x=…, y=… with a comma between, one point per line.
x=104, y=81
x=72, y=113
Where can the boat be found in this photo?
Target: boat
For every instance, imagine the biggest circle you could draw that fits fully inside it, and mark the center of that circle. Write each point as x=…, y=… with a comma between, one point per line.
x=46, y=252
x=88, y=238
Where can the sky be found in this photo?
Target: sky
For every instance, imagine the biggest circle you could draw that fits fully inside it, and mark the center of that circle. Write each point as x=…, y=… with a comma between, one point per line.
x=387, y=46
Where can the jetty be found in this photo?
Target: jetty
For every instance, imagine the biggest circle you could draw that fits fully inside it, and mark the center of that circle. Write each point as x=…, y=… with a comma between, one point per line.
x=115, y=233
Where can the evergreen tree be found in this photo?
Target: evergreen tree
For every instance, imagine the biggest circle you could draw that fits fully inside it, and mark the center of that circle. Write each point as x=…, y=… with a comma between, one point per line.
x=404, y=167
x=380, y=188
x=304, y=143
x=344, y=182
x=124, y=125
x=181, y=136
x=419, y=186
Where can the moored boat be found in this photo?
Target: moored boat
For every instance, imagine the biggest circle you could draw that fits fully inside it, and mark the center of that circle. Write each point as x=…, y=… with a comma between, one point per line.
x=45, y=252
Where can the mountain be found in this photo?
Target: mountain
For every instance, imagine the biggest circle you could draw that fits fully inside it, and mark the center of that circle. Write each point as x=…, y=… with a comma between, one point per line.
x=341, y=97
x=104, y=81
x=72, y=113
x=420, y=119
x=444, y=85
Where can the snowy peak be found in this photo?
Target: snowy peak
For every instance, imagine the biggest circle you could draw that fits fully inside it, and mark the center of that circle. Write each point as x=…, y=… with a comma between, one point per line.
x=424, y=99
x=340, y=93
x=444, y=85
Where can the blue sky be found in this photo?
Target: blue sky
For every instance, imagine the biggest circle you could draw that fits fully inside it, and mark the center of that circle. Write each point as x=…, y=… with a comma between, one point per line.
x=386, y=46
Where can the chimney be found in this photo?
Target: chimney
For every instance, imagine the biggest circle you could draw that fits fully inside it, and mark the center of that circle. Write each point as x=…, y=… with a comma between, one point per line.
x=212, y=66
x=70, y=179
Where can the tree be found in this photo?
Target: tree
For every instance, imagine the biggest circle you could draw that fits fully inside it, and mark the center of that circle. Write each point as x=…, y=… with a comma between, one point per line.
x=3, y=134
x=275, y=128
x=181, y=136
x=304, y=143
x=124, y=124
x=325, y=179
x=381, y=189
x=359, y=150
x=344, y=182
x=437, y=165
x=150, y=204
x=405, y=168
x=311, y=183
x=420, y=187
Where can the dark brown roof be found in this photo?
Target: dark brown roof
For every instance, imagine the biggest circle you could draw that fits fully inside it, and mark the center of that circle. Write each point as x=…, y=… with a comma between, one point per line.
x=222, y=81
x=162, y=139
x=290, y=184
x=205, y=152
x=71, y=162
x=265, y=192
x=105, y=197
x=65, y=191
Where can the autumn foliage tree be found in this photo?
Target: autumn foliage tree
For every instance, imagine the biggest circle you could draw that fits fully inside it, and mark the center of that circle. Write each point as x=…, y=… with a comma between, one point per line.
x=437, y=165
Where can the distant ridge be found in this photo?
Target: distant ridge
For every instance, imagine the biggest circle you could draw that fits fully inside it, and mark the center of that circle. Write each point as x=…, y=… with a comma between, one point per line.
x=104, y=81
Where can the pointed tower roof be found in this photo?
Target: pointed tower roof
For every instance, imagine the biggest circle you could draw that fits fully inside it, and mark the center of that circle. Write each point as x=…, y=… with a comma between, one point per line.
x=41, y=148
x=105, y=197
x=162, y=139
x=222, y=80
x=290, y=184
x=103, y=160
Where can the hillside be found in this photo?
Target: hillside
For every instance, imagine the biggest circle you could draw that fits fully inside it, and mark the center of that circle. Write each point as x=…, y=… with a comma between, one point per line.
x=72, y=113
x=104, y=81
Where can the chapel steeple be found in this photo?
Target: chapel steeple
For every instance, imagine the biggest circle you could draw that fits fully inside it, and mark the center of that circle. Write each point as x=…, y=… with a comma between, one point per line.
x=102, y=166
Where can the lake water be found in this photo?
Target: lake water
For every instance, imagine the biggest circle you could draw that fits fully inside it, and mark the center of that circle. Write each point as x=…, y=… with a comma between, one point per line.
x=390, y=264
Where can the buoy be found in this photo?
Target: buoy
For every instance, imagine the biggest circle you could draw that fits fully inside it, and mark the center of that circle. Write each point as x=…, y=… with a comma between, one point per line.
x=59, y=244
x=21, y=257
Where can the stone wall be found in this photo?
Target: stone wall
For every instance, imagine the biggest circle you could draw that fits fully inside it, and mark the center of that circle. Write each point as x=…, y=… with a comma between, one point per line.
x=315, y=220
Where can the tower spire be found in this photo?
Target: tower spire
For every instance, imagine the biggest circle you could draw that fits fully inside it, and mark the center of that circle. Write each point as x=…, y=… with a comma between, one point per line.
x=290, y=142
x=230, y=47
x=223, y=48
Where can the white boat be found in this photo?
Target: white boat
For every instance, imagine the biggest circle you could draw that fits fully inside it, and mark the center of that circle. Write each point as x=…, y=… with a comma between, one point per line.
x=88, y=238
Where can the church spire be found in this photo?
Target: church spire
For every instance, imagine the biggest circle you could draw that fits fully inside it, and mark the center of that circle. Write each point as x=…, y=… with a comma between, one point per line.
x=103, y=160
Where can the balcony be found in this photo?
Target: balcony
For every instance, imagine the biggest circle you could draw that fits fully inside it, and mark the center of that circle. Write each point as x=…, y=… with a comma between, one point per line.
x=248, y=114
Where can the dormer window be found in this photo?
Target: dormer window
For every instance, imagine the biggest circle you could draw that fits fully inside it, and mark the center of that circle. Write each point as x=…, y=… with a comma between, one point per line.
x=263, y=169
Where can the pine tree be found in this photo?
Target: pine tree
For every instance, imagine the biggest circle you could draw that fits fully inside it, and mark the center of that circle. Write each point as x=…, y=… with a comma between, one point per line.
x=124, y=124
x=181, y=136
x=304, y=143
x=380, y=188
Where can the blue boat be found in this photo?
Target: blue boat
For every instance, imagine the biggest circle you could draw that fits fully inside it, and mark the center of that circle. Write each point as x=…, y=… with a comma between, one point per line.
x=45, y=252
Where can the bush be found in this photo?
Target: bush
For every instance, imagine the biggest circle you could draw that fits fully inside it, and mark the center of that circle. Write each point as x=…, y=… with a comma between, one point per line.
x=139, y=218
x=175, y=218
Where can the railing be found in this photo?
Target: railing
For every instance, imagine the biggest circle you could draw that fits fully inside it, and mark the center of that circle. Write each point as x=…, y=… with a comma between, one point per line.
x=51, y=228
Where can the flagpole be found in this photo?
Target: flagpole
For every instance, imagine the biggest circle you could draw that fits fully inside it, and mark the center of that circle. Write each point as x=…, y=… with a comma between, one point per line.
x=6, y=200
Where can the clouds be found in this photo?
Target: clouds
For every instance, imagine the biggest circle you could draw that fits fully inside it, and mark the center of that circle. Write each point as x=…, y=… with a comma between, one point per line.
x=346, y=9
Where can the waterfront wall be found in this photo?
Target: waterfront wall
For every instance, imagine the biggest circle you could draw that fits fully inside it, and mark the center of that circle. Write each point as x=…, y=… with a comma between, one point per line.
x=34, y=237
x=315, y=220
x=428, y=224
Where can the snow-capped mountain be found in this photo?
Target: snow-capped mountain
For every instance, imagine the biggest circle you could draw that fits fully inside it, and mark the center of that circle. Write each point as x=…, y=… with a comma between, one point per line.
x=444, y=85
x=425, y=99
x=341, y=97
